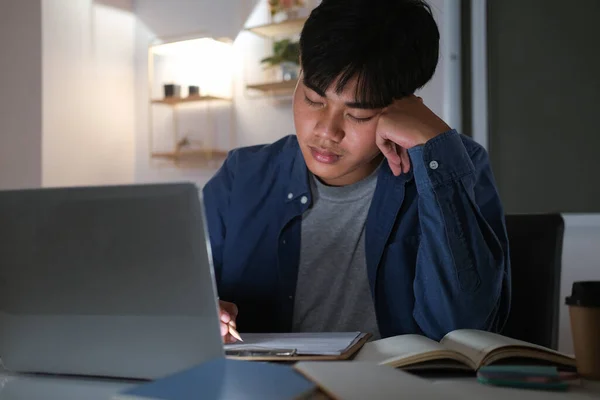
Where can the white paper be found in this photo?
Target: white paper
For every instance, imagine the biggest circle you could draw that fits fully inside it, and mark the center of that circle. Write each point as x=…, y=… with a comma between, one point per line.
x=309, y=343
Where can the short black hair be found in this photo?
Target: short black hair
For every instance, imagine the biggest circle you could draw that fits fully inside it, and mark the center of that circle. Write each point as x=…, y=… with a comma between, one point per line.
x=390, y=46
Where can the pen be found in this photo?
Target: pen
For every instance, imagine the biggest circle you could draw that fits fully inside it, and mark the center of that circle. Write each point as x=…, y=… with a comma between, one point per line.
x=233, y=332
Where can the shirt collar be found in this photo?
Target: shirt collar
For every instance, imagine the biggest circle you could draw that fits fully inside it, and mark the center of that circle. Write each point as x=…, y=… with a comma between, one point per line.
x=299, y=184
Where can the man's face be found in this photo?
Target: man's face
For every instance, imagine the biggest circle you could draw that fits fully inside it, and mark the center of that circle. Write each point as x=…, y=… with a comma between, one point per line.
x=336, y=134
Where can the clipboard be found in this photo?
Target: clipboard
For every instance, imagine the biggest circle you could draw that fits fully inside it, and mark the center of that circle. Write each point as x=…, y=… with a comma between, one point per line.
x=287, y=355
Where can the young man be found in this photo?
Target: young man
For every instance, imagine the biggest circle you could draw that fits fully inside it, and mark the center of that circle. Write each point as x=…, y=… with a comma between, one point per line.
x=376, y=216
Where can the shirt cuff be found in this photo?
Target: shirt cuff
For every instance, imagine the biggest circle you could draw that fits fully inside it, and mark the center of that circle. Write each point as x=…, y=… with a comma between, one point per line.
x=440, y=160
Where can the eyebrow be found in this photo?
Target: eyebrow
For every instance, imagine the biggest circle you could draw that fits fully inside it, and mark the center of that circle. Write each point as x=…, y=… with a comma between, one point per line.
x=313, y=88
x=349, y=104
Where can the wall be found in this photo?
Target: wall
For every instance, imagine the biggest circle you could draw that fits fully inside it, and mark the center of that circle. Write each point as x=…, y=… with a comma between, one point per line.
x=125, y=5
x=88, y=99
x=544, y=94
x=20, y=97
x=433, y=92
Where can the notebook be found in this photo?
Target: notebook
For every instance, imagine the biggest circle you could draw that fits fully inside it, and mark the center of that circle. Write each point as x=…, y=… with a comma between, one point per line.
x=226, y=379
x=460, y=349
x=351, y=380
x=297, y=346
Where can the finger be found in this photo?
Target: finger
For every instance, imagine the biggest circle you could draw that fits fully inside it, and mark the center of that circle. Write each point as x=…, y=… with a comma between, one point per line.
x=230, y=308
x=233, y=311
x=405, y=160
x=389, y=150
x=225, y=317
x=224, y=329
x=230, y=339
x=395, y=166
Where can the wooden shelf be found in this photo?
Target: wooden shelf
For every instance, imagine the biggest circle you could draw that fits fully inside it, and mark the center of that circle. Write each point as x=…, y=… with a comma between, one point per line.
x=288, y=27
x=286, y=86
x=191, y=154
x=171, y=101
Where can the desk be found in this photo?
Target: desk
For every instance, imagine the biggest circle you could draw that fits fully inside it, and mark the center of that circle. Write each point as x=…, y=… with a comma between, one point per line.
x=41, y=387
x=475, y=390
x=20, y=387
x=34, y=387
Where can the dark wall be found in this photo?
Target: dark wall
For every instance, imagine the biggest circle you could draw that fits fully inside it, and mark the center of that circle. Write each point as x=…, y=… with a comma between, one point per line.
x=544, y=103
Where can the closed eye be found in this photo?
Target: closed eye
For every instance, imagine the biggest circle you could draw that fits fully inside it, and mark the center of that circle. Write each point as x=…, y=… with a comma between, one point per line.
x=359, y=120
x=310, y=102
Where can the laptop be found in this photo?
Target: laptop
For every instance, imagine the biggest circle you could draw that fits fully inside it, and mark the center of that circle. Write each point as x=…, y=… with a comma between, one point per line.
x=112, y=281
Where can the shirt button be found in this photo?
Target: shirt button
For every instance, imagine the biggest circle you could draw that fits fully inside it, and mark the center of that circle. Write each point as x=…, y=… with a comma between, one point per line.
x=304, y=200
x=290, y=195
x=290, y=297
x=283, y=241
x=433, y=165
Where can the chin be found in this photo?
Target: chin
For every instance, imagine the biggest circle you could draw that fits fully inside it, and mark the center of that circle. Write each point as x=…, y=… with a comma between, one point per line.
x=327, y=173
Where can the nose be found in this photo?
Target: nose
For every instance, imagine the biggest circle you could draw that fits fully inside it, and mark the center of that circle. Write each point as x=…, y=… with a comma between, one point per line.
x=329, y=126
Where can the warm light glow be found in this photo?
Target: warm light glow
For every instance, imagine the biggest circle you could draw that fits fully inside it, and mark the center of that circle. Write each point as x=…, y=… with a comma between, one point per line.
x=204, y=62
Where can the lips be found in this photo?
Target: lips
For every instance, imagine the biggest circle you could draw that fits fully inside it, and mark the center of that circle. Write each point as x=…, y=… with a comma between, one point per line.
x=324, y=156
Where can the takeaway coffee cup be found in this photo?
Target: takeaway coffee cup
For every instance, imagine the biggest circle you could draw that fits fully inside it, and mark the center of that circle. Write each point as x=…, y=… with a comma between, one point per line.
x=584, y=312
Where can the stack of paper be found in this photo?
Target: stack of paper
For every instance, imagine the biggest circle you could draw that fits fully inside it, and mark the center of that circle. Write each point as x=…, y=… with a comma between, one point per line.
x=311, y=343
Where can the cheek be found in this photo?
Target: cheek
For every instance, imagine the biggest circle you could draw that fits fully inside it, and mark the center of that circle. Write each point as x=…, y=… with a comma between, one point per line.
x=360, y=140
x=303, y=119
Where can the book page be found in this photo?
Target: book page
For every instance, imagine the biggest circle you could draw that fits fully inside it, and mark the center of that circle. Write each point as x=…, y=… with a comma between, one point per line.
x=404, y=350
x=309, y=343
x=477, y=345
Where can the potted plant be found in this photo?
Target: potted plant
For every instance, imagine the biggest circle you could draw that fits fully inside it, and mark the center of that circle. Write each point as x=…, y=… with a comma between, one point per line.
x=286, y=56
x=287, y=7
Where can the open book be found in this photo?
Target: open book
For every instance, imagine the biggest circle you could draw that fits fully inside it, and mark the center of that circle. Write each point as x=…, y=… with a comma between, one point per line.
x=460, y=349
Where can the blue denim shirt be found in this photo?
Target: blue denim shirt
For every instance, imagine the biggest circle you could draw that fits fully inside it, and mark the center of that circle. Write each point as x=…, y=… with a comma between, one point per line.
x=436, y=244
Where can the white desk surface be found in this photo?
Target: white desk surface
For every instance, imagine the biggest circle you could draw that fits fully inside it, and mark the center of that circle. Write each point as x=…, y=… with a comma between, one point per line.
x=29, y=387
x=475, y=390
x=21, y=387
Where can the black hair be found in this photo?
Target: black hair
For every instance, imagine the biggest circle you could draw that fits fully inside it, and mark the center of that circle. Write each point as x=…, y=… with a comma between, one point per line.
x=390, y=46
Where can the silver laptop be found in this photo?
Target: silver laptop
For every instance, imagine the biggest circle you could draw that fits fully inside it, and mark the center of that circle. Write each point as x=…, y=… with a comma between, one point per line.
x=106, y=281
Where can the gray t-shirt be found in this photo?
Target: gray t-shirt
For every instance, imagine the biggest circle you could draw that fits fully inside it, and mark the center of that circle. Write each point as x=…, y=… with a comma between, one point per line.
x=332, y=292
